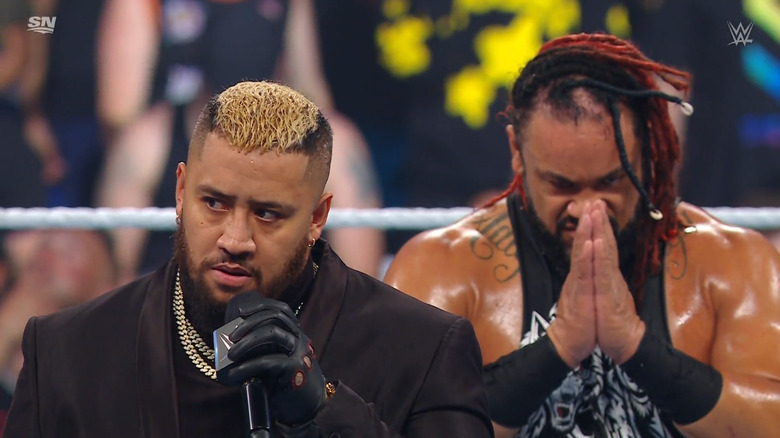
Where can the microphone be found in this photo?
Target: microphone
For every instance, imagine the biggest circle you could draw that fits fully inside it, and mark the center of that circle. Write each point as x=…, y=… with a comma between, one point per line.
x=257, y=412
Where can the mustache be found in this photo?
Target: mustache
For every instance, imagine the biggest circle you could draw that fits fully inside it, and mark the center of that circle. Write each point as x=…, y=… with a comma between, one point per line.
x=570, y=221
x=233, y=260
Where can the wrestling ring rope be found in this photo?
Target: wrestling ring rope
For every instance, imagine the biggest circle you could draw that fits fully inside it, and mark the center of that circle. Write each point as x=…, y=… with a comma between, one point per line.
x=758, y=218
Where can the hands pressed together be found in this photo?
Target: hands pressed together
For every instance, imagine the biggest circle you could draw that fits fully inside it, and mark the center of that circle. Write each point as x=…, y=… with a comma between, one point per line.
x=595, y=307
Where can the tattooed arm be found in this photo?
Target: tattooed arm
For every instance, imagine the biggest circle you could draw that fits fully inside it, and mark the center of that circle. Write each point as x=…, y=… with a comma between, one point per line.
x=470, y=269
x=432, y=267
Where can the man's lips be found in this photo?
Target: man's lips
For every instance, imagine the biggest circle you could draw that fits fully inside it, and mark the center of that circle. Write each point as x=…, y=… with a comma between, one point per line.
x=232, y=276
x=233, y=270
x=568, y=229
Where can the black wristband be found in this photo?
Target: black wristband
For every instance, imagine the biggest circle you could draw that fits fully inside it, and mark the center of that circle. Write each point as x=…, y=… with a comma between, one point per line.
x=518, y=383
x=677, y=384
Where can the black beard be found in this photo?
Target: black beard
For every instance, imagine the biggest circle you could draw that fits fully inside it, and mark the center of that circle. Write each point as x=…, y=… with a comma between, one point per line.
x=558, y=255
x=204, y=312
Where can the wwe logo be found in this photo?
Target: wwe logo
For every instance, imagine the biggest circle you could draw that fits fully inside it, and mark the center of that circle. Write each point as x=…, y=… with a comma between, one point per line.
x=740, y=34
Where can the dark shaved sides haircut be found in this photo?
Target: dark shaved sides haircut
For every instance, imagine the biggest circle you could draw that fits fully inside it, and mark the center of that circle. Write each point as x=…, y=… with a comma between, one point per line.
x=267, y=117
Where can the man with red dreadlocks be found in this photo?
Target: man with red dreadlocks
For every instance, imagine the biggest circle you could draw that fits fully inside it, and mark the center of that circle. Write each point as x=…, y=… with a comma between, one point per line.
x=604, y=306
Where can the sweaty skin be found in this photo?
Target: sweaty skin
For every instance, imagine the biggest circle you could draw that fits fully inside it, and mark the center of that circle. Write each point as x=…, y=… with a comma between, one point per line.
x=722, y=283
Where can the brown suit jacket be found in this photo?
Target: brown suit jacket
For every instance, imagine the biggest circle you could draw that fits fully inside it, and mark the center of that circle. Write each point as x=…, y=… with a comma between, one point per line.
x=105, y=369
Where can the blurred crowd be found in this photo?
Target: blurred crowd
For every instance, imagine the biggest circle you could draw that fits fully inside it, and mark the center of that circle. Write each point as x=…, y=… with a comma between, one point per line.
x=98, y=97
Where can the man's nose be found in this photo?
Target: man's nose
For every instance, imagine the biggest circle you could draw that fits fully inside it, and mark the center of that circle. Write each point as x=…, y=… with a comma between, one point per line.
x=237, y=236
x=577, y=205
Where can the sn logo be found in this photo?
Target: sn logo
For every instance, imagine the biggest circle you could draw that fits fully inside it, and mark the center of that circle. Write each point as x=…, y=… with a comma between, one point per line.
x=42, y=25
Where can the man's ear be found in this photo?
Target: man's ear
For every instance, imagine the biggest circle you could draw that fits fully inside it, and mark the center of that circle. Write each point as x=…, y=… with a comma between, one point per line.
x=514, y=149
x=181, y=174
x=320, y=216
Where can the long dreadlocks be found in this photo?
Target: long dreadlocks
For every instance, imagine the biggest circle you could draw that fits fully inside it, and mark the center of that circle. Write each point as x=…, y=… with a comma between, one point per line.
x=613, y=71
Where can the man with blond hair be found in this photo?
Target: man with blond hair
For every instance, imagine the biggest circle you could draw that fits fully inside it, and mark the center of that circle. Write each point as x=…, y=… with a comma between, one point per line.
x=336, y=352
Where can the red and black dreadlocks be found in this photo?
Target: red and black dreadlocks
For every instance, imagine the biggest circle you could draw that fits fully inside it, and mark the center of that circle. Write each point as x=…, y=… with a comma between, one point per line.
x=612, y=70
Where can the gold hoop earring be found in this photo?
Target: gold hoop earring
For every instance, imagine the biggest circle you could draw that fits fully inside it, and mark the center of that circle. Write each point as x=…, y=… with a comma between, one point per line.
x=312, y=242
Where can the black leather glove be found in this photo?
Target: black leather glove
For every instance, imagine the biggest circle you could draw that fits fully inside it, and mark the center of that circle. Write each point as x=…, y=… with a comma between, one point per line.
x=270, y=345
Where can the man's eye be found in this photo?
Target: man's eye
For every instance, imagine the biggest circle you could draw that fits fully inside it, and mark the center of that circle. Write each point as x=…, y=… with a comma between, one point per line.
x=562, y=184
x=267, y=215
x=611, y=180
x=214, y=204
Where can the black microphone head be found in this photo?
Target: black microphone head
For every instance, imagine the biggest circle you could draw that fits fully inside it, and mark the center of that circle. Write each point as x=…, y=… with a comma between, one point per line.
x=245, y=301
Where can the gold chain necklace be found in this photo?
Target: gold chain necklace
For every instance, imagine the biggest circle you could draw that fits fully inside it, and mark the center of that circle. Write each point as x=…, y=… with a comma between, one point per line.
x=196, y=348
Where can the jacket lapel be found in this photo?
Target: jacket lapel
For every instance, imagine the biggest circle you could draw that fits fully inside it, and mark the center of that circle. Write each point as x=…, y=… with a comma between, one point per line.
x=326, y=298
x=156, y=381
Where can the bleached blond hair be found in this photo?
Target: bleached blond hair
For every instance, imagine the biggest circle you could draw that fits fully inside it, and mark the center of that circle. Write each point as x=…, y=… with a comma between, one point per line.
x=266, y=116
